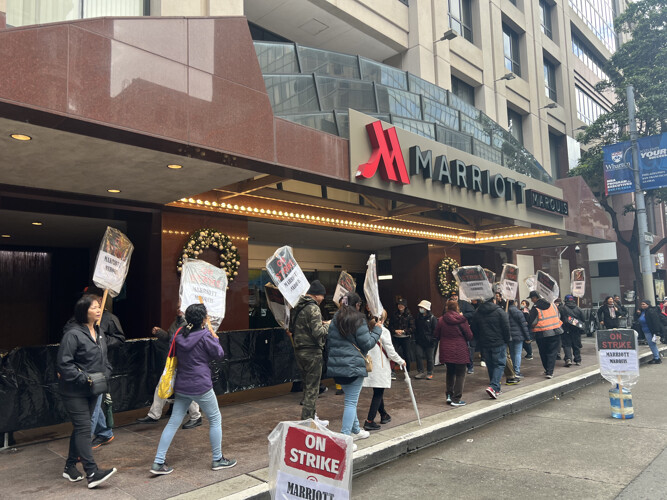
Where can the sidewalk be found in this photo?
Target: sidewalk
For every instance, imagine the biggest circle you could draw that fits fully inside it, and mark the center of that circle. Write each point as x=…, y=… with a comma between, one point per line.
x=36, y=469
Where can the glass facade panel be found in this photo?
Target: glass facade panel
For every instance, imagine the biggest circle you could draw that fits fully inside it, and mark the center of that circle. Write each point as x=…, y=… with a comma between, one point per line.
x=276, y=58
x=599, y=17
x=28, y=12
x=588, y=110
x=454, y=139
x=437, y=112
x=475, y=128
x=550, y=81
x=487, y=152
x=545, y=18
x=320, y=121
x=418, y=127
x=398, y=102
x=336, y=93
x=291, y=93
x=511, y=50
x=586, y=56
x=515, y=125
x=427, y=89
x=381, y=73
x=460, y=18
x=323, y=62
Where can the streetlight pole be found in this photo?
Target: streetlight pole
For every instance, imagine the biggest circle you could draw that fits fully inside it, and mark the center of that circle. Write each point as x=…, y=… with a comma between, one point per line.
x=642, y=222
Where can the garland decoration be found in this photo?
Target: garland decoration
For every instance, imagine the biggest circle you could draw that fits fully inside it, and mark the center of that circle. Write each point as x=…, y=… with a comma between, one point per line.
x=205, y=238
x=445, y=268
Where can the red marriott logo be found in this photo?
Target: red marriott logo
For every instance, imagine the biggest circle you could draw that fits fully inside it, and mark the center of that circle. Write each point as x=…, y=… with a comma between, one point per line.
x=386, y=155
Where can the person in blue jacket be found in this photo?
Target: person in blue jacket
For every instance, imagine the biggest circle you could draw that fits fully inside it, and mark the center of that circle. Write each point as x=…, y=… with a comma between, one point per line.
x=350, y=339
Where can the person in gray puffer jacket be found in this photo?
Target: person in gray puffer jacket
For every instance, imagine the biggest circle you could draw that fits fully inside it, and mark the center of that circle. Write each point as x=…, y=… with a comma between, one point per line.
x=350, y=338
x=519, y=333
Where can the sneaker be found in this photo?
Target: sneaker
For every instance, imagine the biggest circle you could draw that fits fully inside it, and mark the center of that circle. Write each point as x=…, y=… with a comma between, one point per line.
x=323, y=423
x=549, y=376
x=458, y=403
x=147, y=420
x=71, y=473
x=371, y=426
x=529, y=358
x=578, y=363
x=482, y=364
x=161, y=469
x=498, y=393
x=491, y=392
x=449, y=399
x=362, y=434
x=323, y=389
x=470, y=371
x=420, y=375
x=340, y=392
x=512, y=381
x=558, y=357
x=99, y=441
x=568, y=362
x=385, y=419
x=192, y=423
x=354, y=447
x=429, y=377
x=655, y=361
x=393, y=376
x=518, y=376
x=223, y=463
x=99, y=476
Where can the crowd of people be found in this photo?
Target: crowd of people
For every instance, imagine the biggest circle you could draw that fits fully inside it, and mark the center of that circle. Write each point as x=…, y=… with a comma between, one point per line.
x=354, y=348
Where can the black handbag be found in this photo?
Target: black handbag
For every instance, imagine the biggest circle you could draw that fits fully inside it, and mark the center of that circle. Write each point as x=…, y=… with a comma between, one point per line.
x=98, y=383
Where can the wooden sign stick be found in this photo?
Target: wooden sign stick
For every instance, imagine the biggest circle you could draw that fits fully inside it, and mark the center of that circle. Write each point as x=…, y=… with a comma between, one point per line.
x=104, y=301
x=208, y=321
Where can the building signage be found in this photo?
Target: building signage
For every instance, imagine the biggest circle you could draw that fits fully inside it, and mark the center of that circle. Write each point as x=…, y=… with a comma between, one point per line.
x=387, y=157
x=618, y=175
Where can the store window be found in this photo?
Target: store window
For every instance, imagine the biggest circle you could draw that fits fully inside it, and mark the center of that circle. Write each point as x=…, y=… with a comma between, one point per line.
x=545, y=18
x=515, y=125
x=599, y=17
x=511, y=50
x=28, y=12
x=460, y=18
x=588, y=110
x=550, y=81
x=463, y=91
x=586, y=56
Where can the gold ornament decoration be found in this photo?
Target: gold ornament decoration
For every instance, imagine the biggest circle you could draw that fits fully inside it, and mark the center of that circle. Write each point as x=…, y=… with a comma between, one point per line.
x=445, y=268
x=205, y=238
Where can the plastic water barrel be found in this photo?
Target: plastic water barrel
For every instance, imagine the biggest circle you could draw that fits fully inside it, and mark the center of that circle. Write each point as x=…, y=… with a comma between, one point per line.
x=615, y=402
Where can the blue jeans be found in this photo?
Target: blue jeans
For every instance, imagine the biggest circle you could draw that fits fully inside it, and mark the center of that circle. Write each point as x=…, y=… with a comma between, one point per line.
x=350, y=420
x=98, y=422
x=652, y=345
x=516, y=349
x=495, y=358
x=208, y=403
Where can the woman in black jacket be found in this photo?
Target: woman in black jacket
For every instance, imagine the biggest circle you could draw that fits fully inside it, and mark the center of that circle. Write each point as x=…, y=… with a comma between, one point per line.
x=83, y=351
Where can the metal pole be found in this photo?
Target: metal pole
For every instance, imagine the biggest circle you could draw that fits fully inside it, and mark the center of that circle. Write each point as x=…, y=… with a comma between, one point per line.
x=642, y=223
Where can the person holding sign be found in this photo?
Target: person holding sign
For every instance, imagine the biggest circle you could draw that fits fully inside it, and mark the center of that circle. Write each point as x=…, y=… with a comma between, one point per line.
x=491, y=325
x=544, y=321
x=309, y=335
x=650, y=325
x=573, y=324
x=82, y=354
x=402, y=328
x=196, y=347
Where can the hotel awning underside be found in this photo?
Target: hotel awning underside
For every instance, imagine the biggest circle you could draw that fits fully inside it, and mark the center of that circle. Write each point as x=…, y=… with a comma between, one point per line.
x=110, y=103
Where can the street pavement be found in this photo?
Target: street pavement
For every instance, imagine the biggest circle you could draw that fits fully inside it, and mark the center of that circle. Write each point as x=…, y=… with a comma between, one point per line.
x=569, y=447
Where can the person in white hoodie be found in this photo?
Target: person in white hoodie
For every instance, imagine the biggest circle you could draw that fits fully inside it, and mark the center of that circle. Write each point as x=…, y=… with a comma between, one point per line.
x=380, y=378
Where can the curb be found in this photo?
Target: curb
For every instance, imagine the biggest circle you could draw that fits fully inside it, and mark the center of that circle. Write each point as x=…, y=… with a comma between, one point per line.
x=435, y=429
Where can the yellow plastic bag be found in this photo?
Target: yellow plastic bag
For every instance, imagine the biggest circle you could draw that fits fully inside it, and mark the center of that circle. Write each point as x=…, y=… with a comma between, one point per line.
x=166, y=385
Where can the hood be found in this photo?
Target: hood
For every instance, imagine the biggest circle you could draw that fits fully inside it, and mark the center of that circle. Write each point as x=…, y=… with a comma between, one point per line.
x=189, y=342
x=488, y=307
x=454, y=318
x=542, y=304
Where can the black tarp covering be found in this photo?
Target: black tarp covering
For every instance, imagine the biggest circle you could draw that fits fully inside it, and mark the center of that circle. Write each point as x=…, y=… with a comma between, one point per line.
x=29, y=388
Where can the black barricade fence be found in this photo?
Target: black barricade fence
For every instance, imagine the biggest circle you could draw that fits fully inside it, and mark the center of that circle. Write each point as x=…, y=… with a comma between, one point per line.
x=29, y=386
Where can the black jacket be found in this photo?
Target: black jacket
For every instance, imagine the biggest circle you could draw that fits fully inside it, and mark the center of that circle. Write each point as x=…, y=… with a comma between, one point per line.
x=569, y=308
x=653, y=321
x=166, y=336
x=466, y=309
x=110, y=326
x=402, y=321
x=604, y=316
x=491, y=325
x=79, y=355
x=425, y=328
x=518, y=325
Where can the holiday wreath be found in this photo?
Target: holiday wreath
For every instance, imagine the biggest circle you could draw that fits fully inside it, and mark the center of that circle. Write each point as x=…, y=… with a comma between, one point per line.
x=445, y=268
x=210, y=238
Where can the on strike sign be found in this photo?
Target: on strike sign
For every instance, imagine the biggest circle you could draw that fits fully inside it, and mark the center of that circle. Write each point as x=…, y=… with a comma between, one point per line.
x=309, y=461
x=617, y=351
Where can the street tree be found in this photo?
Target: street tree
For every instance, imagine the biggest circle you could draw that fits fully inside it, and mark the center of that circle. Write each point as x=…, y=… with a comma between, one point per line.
x=641, y=62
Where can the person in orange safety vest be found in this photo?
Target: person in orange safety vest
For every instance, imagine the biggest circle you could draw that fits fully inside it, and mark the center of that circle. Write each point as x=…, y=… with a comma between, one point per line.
x=544, y=321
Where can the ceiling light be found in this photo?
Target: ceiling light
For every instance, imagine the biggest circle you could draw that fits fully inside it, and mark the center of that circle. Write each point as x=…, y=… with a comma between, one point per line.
x=36, y=223
x=6, y=235
x=173, y=166
x=113, y=190
x=21, y=137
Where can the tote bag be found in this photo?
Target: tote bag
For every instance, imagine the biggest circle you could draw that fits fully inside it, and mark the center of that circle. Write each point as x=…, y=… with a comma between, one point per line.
x=166, y=385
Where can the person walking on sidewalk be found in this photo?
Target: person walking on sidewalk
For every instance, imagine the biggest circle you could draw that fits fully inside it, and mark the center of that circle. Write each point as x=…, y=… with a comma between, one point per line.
x=425, y=327
x=156, y=408
x=609, y=314
x=545, y=323
x=196, y=346
x=350, y=339
x=309, y=336
x=519, y=335
x=528, y=344
x=491, y=325
x=380, y=378
x=402, y=328
x=453, y=334
x=82, y=352
x=468, y=311
x=650, y=325
x=573, y=325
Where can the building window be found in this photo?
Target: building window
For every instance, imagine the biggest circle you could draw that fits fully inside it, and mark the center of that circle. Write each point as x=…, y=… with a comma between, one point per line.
x=550, y=81
x=593, y=62
x=515, y=125
x=460, y=18
x=545, y=18
x=463, y=91
x=554, y=155
x=599, y=17
x=511, y=50
x=24, y=13
x=588, y=110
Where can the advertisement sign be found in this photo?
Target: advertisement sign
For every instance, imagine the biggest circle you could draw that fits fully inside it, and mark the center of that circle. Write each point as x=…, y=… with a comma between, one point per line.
x=578, y=282
x=371, y=290
x=509, y=281
x=546, y=286
x=473, y=283
x=307, y=460
x=287, y=275
x=617, y=160
x=204, y=283
x=345, y=285
x=617, y=352
x=113, y=261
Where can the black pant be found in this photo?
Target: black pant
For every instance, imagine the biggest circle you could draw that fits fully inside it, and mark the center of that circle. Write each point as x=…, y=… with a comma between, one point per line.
x=572, y=345
x=80, y=411
x=405, y=347
x=456, y=375
x=549, y=348
x=377, y=403
x=422, y=353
